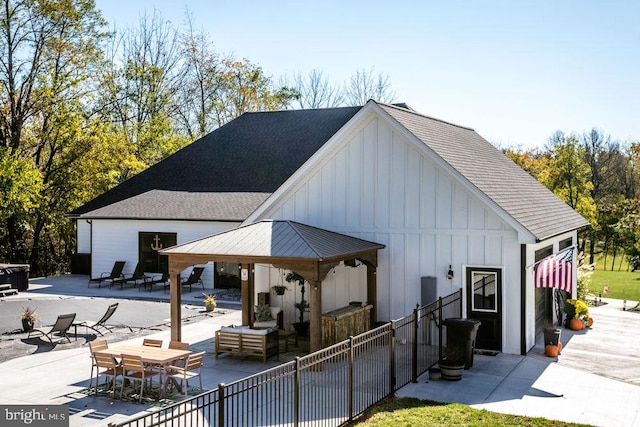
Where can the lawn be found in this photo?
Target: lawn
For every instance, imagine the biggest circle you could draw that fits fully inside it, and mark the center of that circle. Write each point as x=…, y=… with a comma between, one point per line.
x=396, y=412
x=622, y=284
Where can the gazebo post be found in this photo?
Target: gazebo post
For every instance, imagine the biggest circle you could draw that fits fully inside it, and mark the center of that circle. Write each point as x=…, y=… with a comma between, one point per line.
x=315, y=321
x=372, y=293
x=175, y=291
x=246, y=293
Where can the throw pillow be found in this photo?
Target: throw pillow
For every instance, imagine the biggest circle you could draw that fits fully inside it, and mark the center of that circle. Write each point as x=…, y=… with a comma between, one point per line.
x=263, y=313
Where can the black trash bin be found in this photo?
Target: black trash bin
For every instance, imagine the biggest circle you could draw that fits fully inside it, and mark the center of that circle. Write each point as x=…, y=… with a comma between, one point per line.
x=17, y=275
x=461, y=333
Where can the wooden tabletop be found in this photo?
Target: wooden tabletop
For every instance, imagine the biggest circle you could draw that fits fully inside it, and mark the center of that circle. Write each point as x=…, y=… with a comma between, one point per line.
x=154, y=355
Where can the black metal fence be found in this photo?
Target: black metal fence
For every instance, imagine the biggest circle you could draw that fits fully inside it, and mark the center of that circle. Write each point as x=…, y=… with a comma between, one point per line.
x=326, y=388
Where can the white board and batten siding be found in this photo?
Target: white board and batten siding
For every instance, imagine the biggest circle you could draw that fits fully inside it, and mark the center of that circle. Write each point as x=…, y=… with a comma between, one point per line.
x=115, y=240
x=378, y=185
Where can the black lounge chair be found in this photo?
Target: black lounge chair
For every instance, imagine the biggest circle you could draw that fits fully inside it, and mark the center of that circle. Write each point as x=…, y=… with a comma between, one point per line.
x=116, y=273
x=138, y=277
x=194, y=278
x=90, y=324
x=162, y=279
x=62, y=325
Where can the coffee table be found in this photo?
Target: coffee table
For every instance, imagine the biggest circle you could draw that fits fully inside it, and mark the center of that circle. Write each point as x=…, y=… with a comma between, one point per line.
x=286, y=334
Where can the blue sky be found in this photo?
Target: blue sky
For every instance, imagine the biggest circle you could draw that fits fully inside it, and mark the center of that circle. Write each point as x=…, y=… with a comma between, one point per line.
x=515, y=71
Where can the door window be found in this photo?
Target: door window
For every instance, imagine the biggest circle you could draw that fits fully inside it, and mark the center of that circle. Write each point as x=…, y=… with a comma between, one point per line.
x=148, y=246
x=485, y=296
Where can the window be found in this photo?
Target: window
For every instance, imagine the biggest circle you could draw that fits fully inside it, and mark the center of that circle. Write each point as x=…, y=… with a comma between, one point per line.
x=565, y=243
x=227, y=275
x=484, y=291
x=148, y=246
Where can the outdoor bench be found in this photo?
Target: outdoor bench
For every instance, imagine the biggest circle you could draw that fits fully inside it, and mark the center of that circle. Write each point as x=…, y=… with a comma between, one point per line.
x=247, y=341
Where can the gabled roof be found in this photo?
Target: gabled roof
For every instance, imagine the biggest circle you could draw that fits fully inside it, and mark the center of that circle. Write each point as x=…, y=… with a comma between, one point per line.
x=509, y=186
x=183, y=205
x=277, y=239
x=230, y=172
x=254, y=153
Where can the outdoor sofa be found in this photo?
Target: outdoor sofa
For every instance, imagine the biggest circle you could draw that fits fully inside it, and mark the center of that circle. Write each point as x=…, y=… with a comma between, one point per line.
x=247, y=341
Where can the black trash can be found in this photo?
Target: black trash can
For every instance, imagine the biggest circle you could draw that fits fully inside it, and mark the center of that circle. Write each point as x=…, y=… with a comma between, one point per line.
x=461, y=333
x=17, y=275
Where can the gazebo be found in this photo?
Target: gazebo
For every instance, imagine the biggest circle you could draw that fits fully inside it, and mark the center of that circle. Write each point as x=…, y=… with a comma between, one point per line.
x=308, y=251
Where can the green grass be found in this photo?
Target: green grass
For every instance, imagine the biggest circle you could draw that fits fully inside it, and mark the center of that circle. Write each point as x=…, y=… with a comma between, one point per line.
x=622, y=284
x=399, y=412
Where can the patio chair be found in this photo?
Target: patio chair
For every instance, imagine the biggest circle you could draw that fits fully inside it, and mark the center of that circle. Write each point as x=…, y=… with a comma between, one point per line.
x=133, y=369
x=62, y=325
x=154, y=280
x=90, y=324
x=110, y=369
x=95, y=346
x=137, y=277
x=191, y=369
x=152, y=343
x=194, y=278
x=116, y=273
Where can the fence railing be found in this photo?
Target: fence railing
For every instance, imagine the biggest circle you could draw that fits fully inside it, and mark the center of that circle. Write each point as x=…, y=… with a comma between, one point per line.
x=326, y=388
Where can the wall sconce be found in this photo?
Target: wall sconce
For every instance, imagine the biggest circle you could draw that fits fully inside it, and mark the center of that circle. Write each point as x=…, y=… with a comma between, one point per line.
x=450, y=273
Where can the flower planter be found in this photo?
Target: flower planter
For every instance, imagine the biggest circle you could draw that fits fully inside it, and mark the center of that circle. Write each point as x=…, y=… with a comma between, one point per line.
x=452, y=372
x=27, y=325
x=576, y=324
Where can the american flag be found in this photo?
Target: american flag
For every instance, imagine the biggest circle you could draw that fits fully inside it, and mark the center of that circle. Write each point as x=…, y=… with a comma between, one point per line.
x=555, y=271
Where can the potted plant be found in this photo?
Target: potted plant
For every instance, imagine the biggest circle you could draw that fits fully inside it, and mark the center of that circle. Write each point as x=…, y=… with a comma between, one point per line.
x=28, y=318
x=210, y=302
x=301, y=327
x=452, y=365
x=279, y=289
x=577, y=311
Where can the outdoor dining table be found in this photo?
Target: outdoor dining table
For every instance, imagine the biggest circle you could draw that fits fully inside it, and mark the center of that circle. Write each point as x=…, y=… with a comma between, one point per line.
x=153, y=356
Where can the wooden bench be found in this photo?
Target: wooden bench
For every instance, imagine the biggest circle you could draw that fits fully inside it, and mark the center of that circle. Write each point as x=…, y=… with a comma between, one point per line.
x=251, y=342
x=6, y=289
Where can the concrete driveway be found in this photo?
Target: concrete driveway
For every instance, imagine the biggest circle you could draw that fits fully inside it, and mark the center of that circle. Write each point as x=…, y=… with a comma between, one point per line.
x=596, y=379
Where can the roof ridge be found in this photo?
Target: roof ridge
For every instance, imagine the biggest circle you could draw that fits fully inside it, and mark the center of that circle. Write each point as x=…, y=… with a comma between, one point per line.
x=414, y=112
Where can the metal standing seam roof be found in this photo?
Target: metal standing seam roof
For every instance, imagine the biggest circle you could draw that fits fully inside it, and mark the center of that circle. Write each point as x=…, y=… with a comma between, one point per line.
x=525, y=199
x=277, y=239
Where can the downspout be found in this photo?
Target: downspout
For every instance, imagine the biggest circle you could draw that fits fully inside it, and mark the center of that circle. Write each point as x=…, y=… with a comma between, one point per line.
x=523, y=299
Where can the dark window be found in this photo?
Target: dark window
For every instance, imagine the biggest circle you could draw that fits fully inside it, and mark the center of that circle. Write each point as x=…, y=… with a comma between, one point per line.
x=227, y=275
x=543, y=253
x=565, y=243
x=149, y=245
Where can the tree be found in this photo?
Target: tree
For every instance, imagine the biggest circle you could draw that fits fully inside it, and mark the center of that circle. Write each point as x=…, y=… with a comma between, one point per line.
x=364, y=85
x=50, y=50
x=568, y=175
x=316, y=91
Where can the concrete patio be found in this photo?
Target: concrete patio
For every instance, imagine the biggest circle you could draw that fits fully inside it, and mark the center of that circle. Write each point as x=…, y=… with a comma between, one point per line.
x=596, y=379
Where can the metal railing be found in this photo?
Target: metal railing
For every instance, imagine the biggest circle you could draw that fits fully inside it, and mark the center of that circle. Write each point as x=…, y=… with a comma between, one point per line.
x=326, y=388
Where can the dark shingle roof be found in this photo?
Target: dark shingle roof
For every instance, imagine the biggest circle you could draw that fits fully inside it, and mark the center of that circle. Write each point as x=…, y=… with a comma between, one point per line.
x=183, y=205
x=526, y=200
x=254, y=153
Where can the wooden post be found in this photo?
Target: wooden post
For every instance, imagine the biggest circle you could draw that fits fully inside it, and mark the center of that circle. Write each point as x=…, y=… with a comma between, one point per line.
x=372, y=293
x=315, y=308
x=175, y=290
x=246, y=295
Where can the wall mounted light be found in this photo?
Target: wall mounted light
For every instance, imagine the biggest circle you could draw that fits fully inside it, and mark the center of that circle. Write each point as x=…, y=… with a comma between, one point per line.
x=450, y=273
